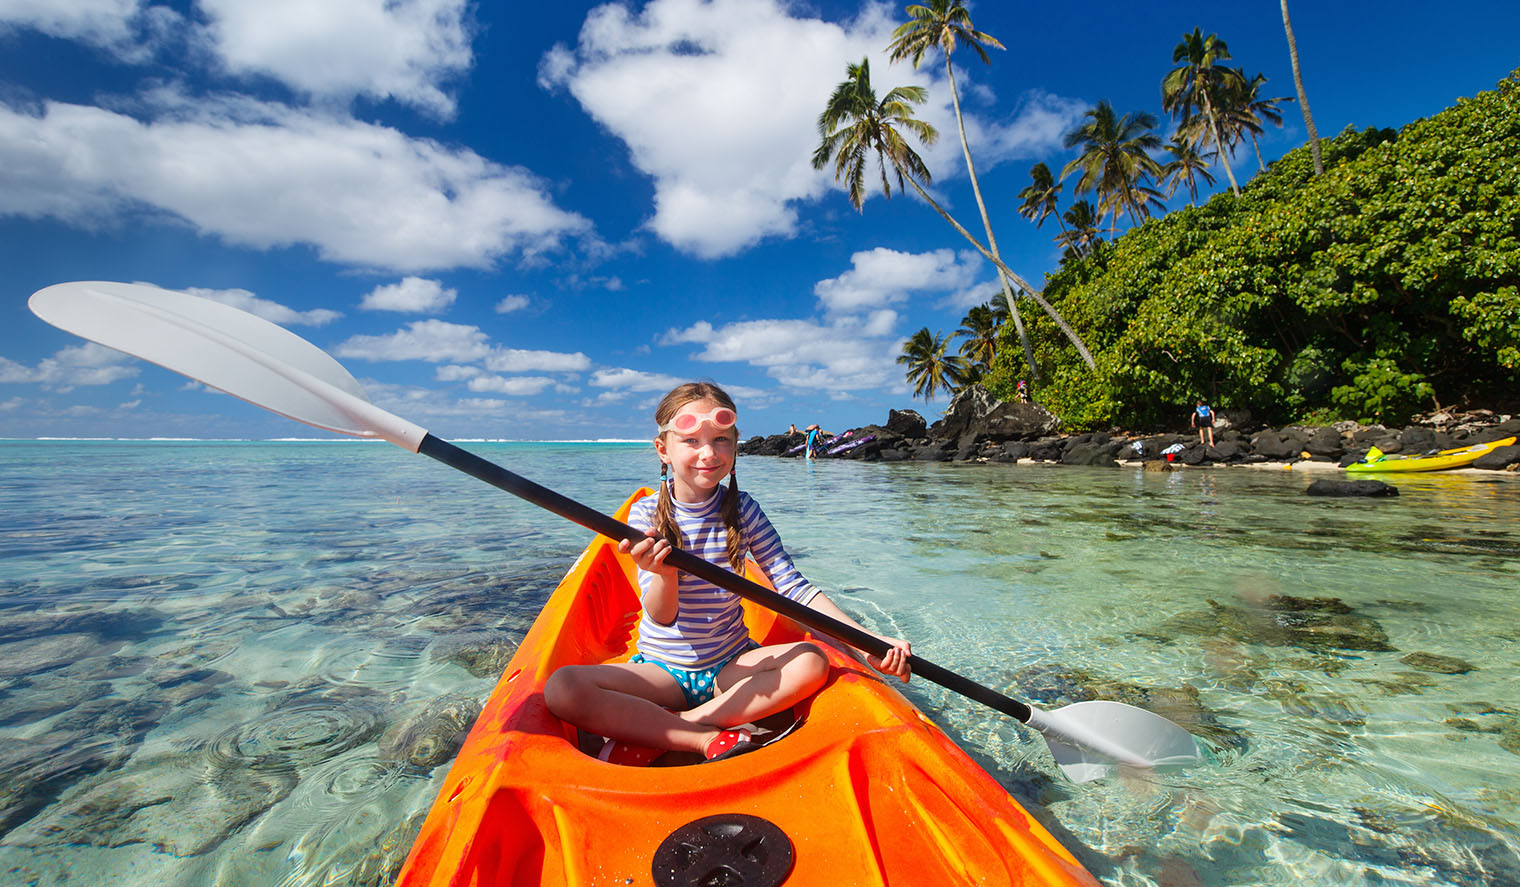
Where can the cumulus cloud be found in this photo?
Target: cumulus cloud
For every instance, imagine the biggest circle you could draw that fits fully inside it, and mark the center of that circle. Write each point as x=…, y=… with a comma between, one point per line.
x=881, y=277
x=718, y=101
x=414, y=295
x=513, y=385
x=626, y=380
x=76, y=365
x=124, y=27
x=511, y=303
x=430, y=340
x=339, y=49
x=846, y=354
x=271, y=311
x=517, y=360
x=266, y=175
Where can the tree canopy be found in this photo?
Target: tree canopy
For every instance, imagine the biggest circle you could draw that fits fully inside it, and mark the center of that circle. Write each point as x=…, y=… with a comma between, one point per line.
x=1386, y=286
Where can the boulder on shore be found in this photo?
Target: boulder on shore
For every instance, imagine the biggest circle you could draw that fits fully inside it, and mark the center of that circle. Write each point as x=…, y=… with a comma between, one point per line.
x=1328, y=487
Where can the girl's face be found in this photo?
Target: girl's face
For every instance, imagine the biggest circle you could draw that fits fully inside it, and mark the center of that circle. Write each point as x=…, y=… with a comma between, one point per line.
x=699, y=460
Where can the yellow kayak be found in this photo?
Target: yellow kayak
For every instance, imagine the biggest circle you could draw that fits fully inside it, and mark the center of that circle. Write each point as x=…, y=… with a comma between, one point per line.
x=864, y=790
x=1456, y=457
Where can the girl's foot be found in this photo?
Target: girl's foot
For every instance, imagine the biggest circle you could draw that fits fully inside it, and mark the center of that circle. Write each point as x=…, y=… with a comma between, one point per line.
x=729, y=744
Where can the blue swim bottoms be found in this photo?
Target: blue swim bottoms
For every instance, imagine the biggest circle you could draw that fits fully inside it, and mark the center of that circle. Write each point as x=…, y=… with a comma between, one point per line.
x=699, y=685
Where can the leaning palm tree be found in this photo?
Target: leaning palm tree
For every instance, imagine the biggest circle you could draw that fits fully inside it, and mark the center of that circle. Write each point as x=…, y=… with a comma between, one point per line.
x=1081, y=232
x=943, y=25
x=929, y=367
x=1186, y=167
x=854, y=126
x=1116, y=162
x=1303, y=97
x=979, y=333
x=1195, y=87
x=1247, y=110
x=1041, y=198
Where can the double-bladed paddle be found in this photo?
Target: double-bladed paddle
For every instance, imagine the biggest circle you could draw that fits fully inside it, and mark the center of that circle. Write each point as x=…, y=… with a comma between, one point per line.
x=271, y=367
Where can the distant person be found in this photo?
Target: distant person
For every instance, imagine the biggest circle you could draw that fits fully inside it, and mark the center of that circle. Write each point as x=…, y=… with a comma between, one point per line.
x=1203, y=420
x=813, y=431
x=791, y=430
x=1023, y=392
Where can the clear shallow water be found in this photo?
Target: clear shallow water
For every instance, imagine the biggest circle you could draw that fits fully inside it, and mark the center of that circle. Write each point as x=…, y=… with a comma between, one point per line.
x=235, y=663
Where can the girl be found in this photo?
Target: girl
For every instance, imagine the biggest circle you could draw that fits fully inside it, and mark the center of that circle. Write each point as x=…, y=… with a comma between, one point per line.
x=697, y=674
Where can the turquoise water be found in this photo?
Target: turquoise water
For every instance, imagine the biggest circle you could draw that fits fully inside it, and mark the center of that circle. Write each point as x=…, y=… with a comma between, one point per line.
x=235, y=663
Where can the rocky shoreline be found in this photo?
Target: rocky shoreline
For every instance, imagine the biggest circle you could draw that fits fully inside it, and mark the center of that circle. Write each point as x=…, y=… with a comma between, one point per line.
x=978, y=427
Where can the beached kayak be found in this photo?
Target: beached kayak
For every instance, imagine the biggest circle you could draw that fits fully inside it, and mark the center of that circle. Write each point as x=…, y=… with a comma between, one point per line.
x=1457, y=457
x=864, y=790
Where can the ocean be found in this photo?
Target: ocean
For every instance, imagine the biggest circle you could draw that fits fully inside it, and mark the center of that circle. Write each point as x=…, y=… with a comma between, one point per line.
x=243, y=663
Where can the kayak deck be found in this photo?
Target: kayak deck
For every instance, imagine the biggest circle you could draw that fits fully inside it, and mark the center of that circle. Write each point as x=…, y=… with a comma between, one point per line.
x=867, y=790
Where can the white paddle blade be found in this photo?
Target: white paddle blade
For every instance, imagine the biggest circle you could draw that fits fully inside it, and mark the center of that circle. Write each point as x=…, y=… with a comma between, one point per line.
x=1089, y=739
x=228, y=349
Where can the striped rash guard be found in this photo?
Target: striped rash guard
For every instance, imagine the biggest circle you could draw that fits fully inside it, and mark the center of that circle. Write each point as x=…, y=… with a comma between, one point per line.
x=709, y=623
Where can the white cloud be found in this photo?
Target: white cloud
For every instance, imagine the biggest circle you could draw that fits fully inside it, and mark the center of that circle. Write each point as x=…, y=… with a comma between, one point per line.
x=413, y=295
x=455, y=373
x=718, y=101
x=515, y=385
x=516, y=360
x=87, y=364
x=511, y=303
x=846, y=354
x=271, y=311
x=264, y=175
x=882, y=277
x=116, y=25
x=634, y=380
x=339, y=49
x=431, y=340
x=14, y=403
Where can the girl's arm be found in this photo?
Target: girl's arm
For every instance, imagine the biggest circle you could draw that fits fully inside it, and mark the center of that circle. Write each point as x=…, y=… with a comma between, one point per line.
x=895, y=662
x=662, y=598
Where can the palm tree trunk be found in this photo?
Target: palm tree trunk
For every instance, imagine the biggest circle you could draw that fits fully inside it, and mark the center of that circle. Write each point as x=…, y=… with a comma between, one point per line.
x=1219, y=146
x=976, y=189
x=1303, y=97
x=1024, y=284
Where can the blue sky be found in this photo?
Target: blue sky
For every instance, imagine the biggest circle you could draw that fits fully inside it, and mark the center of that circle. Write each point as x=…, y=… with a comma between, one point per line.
x=529, y=224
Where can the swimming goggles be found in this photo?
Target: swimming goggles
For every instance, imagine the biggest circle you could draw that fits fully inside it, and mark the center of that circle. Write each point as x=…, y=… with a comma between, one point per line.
x=686, y=423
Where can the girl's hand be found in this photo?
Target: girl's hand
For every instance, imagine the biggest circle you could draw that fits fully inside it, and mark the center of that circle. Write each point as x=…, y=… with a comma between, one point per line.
x=649, y=554
x=895, y=660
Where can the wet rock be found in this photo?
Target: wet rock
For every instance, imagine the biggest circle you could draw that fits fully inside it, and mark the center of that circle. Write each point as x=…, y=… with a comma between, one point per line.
x=47, y=695
x=174, y=803
x=1286, y=621
x=1342, y=488
x=906, y=423
x=36, y=655
x=1089, y=454
x=433, y=735
x=976, y=412
x=482, y=655
x=1437, y=663
x=1499, y=459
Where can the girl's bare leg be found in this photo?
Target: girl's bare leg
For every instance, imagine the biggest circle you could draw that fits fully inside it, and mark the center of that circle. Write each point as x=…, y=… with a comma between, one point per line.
x=762, y=682
x=630, y=702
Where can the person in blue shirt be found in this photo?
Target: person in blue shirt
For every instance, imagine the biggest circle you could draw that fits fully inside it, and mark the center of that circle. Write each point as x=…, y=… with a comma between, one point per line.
x=1203, y=420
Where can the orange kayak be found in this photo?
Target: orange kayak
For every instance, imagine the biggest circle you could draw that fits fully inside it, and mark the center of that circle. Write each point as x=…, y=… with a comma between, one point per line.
x=864, y=790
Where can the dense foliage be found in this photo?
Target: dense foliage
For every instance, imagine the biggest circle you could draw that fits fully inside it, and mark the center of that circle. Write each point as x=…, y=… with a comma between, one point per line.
x=1385, y=287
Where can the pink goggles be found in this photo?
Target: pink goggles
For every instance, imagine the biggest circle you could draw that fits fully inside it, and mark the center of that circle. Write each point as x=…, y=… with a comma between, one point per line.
x=686, y=423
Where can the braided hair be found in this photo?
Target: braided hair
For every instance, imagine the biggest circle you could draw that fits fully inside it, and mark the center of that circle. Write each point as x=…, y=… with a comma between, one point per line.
x=664, y=513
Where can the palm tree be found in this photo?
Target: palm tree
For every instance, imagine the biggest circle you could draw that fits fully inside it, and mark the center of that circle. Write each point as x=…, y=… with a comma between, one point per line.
x=929, y=367
x=1303, y=97
x=854, y=125
x=1081, y=231
x=1115, y=161
x=1185, y=167
x=943, y=25
x=1041, y=198
x=1197, y=85
x=979, y=331
x=1247, y=109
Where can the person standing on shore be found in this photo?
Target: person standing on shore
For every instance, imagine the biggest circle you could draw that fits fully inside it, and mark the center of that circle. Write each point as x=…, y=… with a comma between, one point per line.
x=1203, y=420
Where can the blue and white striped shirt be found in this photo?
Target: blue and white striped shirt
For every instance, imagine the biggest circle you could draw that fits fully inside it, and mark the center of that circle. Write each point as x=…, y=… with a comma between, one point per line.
x=709, y=623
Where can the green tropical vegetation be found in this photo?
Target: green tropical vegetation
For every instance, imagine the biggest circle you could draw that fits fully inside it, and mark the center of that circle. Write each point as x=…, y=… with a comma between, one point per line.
x=1385, y=286
x=931, y=368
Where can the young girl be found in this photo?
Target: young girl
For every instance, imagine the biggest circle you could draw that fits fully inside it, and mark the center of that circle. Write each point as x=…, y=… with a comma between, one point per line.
x=697, y=675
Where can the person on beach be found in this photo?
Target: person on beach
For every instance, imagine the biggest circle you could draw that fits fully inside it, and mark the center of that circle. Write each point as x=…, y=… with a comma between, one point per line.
x=697, y=676
x=812, y=444
x=1203, y=420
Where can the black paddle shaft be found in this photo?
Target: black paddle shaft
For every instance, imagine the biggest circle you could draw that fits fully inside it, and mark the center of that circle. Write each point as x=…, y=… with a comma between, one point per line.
x=613, y=528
